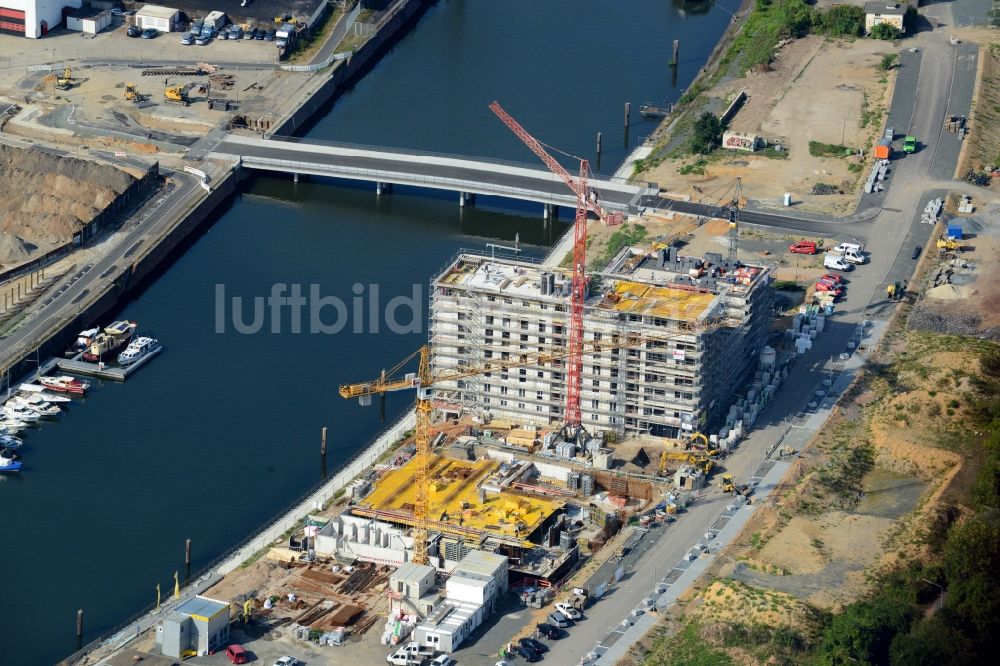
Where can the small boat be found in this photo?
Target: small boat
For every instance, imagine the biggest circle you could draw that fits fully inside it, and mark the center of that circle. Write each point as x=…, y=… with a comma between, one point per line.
x=138, y=349
x=83, y=340
x=64, y=384
x=10, y=442
x=110, y=341
x=36, y=403
x=9, y=426
x=42, y=394
x=21, y=412
x=9, y=461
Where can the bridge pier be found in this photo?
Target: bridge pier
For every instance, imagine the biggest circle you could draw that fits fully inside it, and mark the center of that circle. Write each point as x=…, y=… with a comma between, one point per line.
x=550, y=212
x=295, y=177
x=466, y=198
x=382, y=188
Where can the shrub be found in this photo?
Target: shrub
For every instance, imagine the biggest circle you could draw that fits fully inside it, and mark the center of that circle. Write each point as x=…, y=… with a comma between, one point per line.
x=884, y=31
x=888, y=61
x=841, y=21
x=707, y=133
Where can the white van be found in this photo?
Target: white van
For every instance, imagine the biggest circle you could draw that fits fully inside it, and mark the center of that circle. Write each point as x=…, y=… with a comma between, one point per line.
x=844, y=247
x=835, y=262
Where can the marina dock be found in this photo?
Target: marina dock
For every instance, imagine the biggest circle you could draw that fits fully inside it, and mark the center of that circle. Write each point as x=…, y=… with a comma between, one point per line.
x=77, y=365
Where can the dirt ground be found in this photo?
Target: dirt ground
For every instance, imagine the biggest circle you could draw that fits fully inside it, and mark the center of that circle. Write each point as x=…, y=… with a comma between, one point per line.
x=844, y=103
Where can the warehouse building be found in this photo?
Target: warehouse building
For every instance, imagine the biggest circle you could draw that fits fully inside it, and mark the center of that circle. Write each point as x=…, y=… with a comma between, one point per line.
x=33, y=18
x=164, y=19
x=686, y=332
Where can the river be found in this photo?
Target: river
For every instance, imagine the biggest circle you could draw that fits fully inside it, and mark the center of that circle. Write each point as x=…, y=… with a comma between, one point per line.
x=221, y=432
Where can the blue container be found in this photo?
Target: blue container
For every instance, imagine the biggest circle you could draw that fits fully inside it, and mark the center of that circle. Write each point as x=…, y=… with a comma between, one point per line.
x=955, y=231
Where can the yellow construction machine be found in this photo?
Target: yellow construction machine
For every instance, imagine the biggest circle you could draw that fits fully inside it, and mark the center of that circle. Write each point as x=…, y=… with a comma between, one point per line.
x=697, y=458
x=947, y=243
x=65, y=82
x=727, y=483
x=178, y=94
x=132, y=93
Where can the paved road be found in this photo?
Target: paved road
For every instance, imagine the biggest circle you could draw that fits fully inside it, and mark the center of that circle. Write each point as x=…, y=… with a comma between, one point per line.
x=891, y=237
x=417, y=168
x=149, y=222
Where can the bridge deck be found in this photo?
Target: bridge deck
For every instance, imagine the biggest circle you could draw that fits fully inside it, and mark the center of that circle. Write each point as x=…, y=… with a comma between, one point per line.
x=423, y=170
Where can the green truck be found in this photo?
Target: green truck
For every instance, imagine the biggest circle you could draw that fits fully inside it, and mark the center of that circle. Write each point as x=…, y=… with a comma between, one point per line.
x=910, y=144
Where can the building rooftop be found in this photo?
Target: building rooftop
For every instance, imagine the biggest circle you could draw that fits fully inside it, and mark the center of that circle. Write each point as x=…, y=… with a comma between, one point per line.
x=157, y=11
x=456, y=504
x=480, y=563
x=202, y=608
x=639, y=281
x=885, y=8
x=411, y=572
x=450, y=615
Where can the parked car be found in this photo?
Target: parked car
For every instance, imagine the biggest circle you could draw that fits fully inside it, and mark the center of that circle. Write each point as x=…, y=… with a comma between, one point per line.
x=559, y=620
x=269, y=35
x=150, y=33
x=201, y=40
x=835, y=262
x=833, y=277
x=550, y=631
x=442, y=660
x=287, y=661
x=281, y=43
x=803, y=247
x=916, y=252
x=568, y=611
x=527, y=655
x=910, y=144
x=248, y=34
x=133, y=31
x=533, y=645
x=236, y=654
x=187, y=39
x=258, y=33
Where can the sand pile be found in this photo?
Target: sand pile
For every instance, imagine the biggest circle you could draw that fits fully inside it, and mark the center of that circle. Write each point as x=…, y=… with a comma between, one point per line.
x=48, y=198
x=13, y=249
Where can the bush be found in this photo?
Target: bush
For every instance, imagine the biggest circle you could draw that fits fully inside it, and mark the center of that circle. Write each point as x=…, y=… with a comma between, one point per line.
x=888, y=61
x=707, y=133
x=841, y=21
x=819, y=149
x=889, y=33
x=864, y=631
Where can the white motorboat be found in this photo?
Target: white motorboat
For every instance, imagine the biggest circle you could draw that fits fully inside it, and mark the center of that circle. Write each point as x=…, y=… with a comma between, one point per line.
x=9, y=426
x=10, y=442
x=138, y=349
x=50, y=397
x=36, y=403
x=21, y=412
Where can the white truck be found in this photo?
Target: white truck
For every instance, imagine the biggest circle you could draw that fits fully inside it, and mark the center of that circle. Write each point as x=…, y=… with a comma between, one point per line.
x=851, y=252
x=411, y=653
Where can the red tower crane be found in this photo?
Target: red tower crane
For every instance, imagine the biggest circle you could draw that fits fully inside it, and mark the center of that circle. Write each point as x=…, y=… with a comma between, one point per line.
x=586, y=202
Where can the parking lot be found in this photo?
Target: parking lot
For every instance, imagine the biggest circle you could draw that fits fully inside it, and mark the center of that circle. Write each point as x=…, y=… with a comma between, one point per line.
x=114, y=44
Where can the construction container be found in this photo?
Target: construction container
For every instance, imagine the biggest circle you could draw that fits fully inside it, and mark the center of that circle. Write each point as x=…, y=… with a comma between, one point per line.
x=587, y=484
x=955, y=231
x=602, y=459
x=882, y=151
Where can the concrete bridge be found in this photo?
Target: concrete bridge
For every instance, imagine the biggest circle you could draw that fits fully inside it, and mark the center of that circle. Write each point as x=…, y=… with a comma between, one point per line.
x=386, y=167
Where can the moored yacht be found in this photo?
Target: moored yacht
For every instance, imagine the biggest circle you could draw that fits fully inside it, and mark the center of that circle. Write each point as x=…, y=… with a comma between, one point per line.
x=83, y=340
x=109, y=341
x=64, y=384
x=138, y=349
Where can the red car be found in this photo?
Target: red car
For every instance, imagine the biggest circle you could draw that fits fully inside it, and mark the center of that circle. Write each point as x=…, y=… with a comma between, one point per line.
x=803, y=247
x=236, y=654
x=826, y=286
x=836, y=278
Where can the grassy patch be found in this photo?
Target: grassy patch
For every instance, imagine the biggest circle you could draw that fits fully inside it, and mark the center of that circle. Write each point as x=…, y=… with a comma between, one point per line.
x=628, y=234
x=697, y=168
x=819, y=149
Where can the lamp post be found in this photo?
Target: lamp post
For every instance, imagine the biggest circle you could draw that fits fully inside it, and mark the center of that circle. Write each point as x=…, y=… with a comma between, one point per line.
x=940, y=599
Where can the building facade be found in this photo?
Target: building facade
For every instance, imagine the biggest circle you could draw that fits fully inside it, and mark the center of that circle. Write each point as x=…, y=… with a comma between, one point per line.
x=685, y=333
x=885, y=12
x=33, y=18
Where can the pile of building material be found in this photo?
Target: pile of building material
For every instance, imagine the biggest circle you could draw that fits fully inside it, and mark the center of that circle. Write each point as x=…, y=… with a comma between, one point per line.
x=806, y=326
x=744, y=412
x=879, y=172
x=931, y=211
x=965, y=205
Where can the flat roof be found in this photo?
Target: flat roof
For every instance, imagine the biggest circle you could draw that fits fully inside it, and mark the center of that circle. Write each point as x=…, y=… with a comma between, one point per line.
x=665, y=302
x=411, y=572
x=157, y=11
x=455, y=493
x=202, y=608
x=450, y=616
x=480, y=562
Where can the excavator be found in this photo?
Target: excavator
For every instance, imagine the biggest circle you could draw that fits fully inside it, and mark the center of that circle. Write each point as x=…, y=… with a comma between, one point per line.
x=697, y=458
x=132, y=93
x=179, y=94
x=947, y=243
x=65, y=82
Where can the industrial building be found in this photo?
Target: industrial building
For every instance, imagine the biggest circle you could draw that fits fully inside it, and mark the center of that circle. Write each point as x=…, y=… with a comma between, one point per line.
x=881, y=11
x=686, y=332
x=33, y=18
x=164, y=19
x=200, y=624
x=471, y=595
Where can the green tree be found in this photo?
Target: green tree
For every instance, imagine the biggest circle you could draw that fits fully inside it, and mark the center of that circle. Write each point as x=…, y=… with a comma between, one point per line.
x=707, y=133
x=864, y=631
x=889, y=33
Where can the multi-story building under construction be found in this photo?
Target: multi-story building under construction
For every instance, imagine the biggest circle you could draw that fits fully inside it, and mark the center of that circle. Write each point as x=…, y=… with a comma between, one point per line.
x=686, y=332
